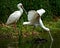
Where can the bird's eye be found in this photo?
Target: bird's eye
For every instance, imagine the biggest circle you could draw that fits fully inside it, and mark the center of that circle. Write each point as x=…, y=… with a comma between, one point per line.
x=21, y=6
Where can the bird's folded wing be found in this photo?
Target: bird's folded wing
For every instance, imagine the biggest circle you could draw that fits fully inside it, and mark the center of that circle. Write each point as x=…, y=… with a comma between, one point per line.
x=13, y=17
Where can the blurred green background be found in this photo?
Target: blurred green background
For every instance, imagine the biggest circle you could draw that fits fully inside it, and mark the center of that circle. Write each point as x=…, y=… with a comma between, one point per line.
x=52, y=7
x=51, y=19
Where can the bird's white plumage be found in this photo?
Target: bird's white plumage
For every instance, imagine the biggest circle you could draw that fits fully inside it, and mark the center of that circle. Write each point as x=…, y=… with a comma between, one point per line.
x=19, y=5
x=41, y=12
x=32, y=16
x=26, y=23
x=42, y=25
x=14, y=17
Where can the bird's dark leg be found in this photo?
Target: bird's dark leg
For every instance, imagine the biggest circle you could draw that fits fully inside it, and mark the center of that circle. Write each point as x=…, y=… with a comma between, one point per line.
x=51, y=39
x=16, y=32
x=14, y=26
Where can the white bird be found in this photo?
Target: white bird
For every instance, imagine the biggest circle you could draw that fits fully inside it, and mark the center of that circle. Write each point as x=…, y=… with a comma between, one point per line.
x=14, y=17
x=34, y=18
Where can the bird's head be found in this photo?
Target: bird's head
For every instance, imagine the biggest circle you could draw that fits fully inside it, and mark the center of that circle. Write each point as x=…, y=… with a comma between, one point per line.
x=20, y=5
x=41, y=12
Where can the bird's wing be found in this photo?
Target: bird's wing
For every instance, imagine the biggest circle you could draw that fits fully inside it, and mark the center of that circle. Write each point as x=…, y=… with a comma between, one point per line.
x=13, y=17
x=32, y=16
x=41, y=12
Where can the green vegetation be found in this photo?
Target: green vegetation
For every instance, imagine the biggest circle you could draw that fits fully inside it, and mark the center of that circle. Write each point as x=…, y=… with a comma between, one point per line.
x=11, y=37
x=18, y=38
x=52, y=7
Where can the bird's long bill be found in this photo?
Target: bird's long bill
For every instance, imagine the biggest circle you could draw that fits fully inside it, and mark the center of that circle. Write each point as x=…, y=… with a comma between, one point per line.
x=25, y=10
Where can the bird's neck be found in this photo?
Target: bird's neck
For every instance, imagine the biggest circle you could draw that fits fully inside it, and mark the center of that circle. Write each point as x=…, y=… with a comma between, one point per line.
x=21, y=10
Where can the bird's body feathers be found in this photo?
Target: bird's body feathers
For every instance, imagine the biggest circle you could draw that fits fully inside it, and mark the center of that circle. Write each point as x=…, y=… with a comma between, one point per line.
x=33, y=16
x=14, y=17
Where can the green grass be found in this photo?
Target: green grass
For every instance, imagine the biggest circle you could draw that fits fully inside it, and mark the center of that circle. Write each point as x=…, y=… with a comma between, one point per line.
x=8, y=36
